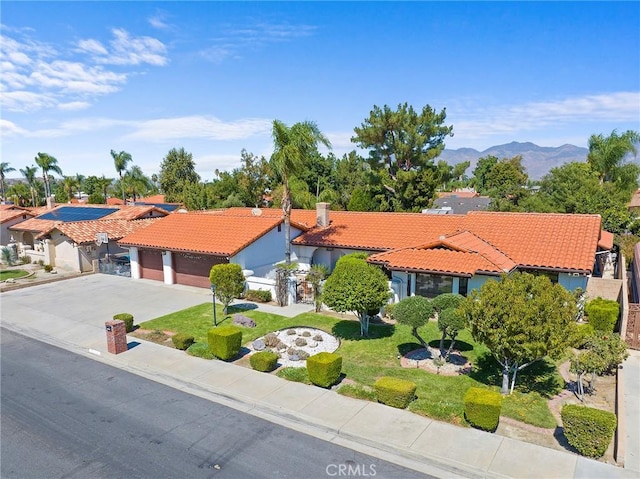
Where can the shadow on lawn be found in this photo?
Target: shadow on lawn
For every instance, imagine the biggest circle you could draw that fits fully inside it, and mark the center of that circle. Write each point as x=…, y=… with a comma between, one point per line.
x=351, y=330
x=458, y=346
x=541, y=377
x=240, y=307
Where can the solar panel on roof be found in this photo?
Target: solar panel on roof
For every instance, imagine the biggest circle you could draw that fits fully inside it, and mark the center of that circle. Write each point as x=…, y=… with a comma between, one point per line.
x=164, y=206
x=71, y=213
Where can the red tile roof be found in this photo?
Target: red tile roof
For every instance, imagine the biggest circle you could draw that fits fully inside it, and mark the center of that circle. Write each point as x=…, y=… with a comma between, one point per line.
x=560, y=241
x=10, y=214
x=152, y=199
x=35, y=225
x=82, y=232
x=135, y=212
x=606, y=240
x=216, y=234
x=114, y=201
x=302, y=219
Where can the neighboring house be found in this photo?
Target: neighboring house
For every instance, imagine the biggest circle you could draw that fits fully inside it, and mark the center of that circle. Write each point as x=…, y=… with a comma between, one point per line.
x=159, y=201
x=11, y=215
x=182, y=247
x=462, y=203
x=56, y=234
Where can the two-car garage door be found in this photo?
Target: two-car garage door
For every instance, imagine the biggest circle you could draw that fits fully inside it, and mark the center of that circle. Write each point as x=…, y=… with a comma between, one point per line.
x=189, y=268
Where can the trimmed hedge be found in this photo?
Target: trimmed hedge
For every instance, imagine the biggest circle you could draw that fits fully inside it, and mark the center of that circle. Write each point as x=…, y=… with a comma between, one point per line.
x=587, y=429
x=395, y=392
x=324, y=369
x=482, y=408
x=258, y=295
x=602, y=314
x=264, y=361
x=127, y=318
x=182, y=341
x=225, y=341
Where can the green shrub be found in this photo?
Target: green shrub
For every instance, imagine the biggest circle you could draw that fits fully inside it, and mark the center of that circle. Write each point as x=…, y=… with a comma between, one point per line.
x=258, y=296
x=324, y=369
x=48, y=268
x=26, y=259
x=200, y=350
x=482, y=408
x=387, y=310
x=587, y=429
x=298, y=375
x=127, y=318
x=225, y=341
x=264, y=361
x=580, y=334
x=182, y=341
x=395, y=392
x=602, y=314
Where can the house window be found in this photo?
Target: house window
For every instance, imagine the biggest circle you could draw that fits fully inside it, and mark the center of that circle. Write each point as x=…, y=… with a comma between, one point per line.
x=463, y=285
x=431, y=285
x=552, y=275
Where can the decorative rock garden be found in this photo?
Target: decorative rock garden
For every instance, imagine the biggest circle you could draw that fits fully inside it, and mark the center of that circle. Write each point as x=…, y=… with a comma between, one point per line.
x=295, y=345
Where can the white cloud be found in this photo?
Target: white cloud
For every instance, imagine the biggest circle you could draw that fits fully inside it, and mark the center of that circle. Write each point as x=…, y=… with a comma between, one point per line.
x=157, y=21
x=36, y=76
x=199, y=127
x=126, y=50
x=232, y=40
x=8, y=128
x=484, y=122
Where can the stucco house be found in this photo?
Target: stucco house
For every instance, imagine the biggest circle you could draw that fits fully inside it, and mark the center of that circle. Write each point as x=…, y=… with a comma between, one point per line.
x=182, y=247
x=11, y=215
x=422, y=254
x=66, y=236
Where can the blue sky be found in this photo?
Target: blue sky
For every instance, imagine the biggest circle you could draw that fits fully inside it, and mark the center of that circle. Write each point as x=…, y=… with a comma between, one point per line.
x=79, y=79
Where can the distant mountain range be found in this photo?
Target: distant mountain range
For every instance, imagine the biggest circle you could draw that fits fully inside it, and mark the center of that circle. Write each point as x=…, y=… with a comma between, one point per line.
x=537, y=159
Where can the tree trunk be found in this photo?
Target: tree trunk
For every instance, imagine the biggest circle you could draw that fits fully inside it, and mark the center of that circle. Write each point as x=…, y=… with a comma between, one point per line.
x=364, y=324
x=513, y=380
x=505, y=378
x=444, y=335
x=414, y=331
x=453, y=341
x=286, y=210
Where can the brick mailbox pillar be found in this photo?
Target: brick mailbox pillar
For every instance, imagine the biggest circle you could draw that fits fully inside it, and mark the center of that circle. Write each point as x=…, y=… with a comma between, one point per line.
x=116, y=336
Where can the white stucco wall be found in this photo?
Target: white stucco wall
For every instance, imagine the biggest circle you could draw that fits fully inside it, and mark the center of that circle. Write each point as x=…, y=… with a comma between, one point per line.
x=261, y=255
x=66, y=253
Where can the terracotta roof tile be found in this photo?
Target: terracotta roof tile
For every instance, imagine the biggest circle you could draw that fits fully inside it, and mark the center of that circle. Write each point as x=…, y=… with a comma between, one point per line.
x=35, y=225
x=216, y=234
x=436, y=260
x=82, y=232
x=560, y=241
x=606, y=240
x=8, y=214
x=114, y=201
x=135, y=212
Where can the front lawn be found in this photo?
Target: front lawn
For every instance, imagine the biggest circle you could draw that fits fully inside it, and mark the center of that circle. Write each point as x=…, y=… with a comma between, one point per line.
x=364, y=360
x=12, y=273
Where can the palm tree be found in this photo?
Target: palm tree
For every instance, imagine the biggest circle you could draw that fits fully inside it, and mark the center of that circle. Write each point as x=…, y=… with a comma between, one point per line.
x=120, y=161
x=29, y=173
x=293, y=148
x=48, y=164
x=69, y=184
x=4, y=168
x=137, y=183
x=104, y=184
x=606, y=157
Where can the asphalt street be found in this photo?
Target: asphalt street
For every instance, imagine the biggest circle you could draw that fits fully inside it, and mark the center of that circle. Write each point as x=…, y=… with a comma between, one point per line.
x=64, y=415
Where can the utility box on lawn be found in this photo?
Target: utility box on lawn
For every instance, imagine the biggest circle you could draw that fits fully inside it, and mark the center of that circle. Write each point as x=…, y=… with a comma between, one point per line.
x=116, y=336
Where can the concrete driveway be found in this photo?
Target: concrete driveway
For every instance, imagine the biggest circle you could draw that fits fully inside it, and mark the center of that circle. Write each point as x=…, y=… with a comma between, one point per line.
x=89, y=301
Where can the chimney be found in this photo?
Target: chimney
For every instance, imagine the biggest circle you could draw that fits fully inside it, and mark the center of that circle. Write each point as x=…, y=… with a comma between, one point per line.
x=322, y=214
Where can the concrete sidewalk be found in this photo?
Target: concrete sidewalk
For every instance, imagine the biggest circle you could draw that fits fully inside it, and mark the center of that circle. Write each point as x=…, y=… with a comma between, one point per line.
x=71, y=314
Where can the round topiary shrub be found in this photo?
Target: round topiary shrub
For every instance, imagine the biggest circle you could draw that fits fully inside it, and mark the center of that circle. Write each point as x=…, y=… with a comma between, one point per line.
x=127, y=318
x=264, y=361
x=395, y=392
x=182, y=341
x=587, y=429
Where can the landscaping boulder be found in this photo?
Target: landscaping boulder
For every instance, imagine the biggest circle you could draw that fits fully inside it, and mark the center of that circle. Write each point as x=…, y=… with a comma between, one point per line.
x=241, y=320
x=258, y=345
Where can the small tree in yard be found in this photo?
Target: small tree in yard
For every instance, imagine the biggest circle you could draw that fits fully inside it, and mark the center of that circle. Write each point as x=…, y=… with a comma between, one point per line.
x=414, y=311
x=522, y=318
x=315, y=276
x=452, y=322
x=602, y=355
x=229, y=282
x=356, y=286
